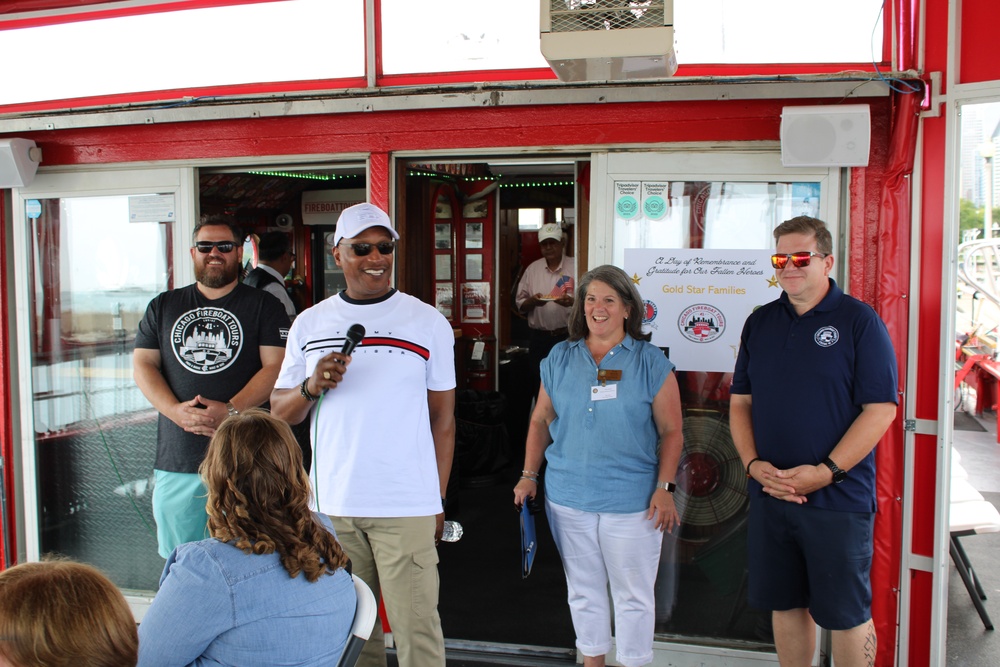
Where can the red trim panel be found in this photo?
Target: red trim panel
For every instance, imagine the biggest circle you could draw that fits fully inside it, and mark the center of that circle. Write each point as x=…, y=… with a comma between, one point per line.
x=554, y=125
x=182, y=96
x=977, y=60
x=108, y=11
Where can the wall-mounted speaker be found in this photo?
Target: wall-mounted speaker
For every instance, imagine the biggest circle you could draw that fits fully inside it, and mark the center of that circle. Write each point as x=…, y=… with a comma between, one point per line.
x=19, y=160
x=826, y=136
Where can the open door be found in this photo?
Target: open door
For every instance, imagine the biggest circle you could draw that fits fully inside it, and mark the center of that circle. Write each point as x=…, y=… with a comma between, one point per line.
x=478, y=226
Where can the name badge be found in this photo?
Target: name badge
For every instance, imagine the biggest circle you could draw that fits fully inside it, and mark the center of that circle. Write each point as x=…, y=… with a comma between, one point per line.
x=604, y=375
x=602, y=393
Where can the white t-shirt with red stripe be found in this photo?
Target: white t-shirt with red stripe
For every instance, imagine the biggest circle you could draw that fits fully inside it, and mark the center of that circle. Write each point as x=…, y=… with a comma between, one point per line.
x=374, y=455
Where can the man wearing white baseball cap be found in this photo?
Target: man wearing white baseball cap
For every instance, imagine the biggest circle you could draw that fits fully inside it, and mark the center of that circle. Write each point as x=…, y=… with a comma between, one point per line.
x=545, y=296
x=382, y=420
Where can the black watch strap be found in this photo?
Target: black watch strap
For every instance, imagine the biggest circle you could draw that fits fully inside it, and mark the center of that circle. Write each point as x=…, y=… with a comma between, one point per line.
x=838, y=474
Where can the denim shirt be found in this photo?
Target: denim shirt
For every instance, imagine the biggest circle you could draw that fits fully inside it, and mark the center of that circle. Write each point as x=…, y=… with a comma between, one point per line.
x=219, y=606
x=604, y=455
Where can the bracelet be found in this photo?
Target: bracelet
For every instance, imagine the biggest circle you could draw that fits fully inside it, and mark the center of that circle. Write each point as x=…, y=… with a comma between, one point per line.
x=529, y=472
x=533, y=479
x=752, y=461
x=305, y=391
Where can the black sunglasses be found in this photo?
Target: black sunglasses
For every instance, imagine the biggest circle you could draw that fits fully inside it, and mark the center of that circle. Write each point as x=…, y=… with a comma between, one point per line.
x=205, y=247
x=362, y=249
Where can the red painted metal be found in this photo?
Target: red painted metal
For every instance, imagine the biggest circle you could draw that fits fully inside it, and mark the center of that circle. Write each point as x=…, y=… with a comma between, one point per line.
x=907, y=20
x=892, y=287
x=928, y=381
x=976, y=57
x=379, y=180
x=925, y=376
x=183, y=96
x=110, y=11
x=432, y=129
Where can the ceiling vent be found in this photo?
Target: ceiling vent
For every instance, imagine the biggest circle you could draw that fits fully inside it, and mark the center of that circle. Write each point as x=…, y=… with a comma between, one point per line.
x=608, y=40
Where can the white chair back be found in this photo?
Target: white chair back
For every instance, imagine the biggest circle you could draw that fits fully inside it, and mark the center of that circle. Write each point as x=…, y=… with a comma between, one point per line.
x=364, y=620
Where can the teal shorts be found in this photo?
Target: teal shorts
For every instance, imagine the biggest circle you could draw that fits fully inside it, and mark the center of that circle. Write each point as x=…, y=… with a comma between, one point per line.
x=179, y=509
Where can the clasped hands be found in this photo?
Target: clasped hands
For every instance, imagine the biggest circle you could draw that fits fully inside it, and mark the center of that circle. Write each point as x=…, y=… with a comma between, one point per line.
x=200, y=415
x=793, y=484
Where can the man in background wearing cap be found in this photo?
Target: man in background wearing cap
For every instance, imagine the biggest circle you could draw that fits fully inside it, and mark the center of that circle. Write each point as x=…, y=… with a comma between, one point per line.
x=545, y=296
x=383, y=424
x=274, y=261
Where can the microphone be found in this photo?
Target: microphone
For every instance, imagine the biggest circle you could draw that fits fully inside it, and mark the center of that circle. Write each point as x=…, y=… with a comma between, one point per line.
x=354, y=336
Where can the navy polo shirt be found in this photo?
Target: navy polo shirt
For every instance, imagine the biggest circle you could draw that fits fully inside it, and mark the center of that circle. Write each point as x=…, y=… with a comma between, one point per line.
x=808, y=377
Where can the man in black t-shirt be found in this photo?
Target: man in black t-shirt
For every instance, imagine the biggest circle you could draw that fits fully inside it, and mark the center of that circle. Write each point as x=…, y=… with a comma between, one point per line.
x=202, y=353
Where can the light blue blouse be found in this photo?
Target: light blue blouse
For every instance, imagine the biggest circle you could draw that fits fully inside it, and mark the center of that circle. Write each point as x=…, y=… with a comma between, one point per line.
x=604, y=453
x=219, y=606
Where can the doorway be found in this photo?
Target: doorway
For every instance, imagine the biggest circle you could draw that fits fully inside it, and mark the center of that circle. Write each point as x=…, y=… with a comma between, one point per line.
x=478, y=222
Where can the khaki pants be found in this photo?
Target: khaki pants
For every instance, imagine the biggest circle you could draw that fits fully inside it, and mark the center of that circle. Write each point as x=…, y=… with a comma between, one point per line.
x=397, y=558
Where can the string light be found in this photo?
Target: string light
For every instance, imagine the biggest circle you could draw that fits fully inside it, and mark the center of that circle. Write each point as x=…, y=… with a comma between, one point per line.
x=313, y=176
x=518, y=184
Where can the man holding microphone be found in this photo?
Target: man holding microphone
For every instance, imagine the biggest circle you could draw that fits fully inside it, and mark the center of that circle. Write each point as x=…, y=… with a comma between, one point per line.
x=383, y=430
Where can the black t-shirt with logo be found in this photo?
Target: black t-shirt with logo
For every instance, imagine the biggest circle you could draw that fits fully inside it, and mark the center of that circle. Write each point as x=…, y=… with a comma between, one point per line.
x=209, y=348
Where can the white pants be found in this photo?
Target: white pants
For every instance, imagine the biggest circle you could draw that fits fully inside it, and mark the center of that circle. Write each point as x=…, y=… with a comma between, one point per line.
x=597, y=548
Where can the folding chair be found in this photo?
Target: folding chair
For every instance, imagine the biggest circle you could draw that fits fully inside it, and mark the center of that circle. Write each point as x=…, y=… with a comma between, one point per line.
x=971, y=517
x=364, y=620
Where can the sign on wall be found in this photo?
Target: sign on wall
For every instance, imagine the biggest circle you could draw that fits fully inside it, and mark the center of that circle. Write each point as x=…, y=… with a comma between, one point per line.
x=698, y=299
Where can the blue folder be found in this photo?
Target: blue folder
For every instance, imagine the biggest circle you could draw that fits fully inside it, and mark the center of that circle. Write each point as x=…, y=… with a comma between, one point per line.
x=529, y=545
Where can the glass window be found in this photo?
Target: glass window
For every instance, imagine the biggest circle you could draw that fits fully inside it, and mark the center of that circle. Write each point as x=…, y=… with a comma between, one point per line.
x=979, y=223
x=93, y=271
x=316, y=40
x=718, y=214
x=701, y=584
x=778, y=31
x=299, y=40
x=462, y=35
x=530, y=219
x=459, y=35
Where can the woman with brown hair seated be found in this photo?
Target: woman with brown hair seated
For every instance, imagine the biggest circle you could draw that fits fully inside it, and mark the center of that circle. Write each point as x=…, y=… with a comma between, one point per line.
x=269, y=587
x=60, y=613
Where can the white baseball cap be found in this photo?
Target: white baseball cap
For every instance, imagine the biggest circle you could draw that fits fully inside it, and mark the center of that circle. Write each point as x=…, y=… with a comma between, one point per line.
x=356, y=219
x=550, y=231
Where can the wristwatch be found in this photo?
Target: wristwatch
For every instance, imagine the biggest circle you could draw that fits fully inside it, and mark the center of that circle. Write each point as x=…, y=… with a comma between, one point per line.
x=669, y=486
x=231, y=408
x=838, y=474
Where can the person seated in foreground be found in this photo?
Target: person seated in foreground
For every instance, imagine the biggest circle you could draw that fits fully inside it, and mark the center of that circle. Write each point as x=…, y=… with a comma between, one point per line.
x=60, y=613
x=269, y=586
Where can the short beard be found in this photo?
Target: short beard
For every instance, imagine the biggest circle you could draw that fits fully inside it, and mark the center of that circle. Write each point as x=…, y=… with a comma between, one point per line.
x=217, y=279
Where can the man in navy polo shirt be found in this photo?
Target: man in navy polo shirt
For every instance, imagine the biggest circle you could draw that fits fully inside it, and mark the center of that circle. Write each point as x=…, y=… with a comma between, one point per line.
x=814, y=390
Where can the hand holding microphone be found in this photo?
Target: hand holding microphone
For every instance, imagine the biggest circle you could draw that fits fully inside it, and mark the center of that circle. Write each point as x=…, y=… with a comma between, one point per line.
x=332, y=368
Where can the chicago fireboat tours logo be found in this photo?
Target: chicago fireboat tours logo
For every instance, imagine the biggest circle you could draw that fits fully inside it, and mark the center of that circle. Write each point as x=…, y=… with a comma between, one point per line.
x=206, y=340
x=701, y=323
x=649, y=312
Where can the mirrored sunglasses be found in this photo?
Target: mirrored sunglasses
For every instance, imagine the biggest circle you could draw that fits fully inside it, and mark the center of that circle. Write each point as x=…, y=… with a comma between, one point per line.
x=362, y=249
x=799, y=259
x=205, y=247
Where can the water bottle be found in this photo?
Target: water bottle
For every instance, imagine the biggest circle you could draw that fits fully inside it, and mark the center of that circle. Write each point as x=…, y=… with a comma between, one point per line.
x=452, y=531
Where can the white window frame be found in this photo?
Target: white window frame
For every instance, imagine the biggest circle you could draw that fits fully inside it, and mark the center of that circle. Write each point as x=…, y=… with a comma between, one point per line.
x=180, y=181
x=698, y=162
